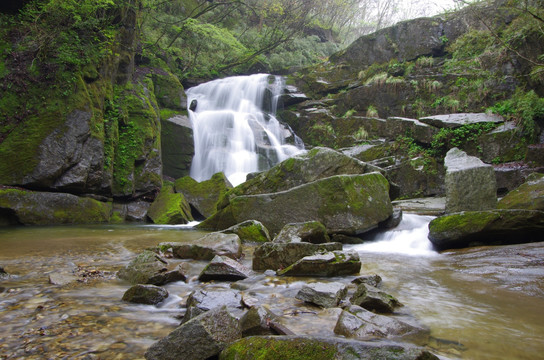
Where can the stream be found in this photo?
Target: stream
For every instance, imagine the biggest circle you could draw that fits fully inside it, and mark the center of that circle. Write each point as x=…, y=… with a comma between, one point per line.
x=480, y=303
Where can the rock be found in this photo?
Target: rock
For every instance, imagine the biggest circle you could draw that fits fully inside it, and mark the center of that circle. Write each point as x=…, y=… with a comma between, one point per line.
x=399, y=126
x=334, y=263
x=535, y=154
x=168, y=90
x=373, y=299
x=3, y=273
x=149, y=268
x=348, y=204
x=366, y=325
x=323, y=294
x=46, y=208
x=470, y=184
x=393, y=221
x=417, y=177
x=170, y=208
x=453, y=121
x=203, y=196
x=249, y=231
x=493, y=227
x=372, y=280
x=498, y=144
x=528, y=196
x=511, y=175
x=60, y=278
x=145, y=294
x=276, y=256
x=137, y=211
x=200, y=338
x=311, y=231
x=206, y=247
x=309, y=347
x=224, y=269
x=424, y=206
x=177, y=146
x=200, y=301
x=257, y=322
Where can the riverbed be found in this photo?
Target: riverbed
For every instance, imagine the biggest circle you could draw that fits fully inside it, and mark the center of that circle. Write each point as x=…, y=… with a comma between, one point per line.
x=480, y=303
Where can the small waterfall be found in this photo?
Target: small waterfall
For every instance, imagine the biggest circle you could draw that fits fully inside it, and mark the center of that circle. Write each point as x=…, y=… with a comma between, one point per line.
x=235, y=127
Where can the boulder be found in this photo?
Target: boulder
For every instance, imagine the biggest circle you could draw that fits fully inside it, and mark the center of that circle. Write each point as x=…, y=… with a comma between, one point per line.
x=310, y=231
x=145, y=294
x=3, y=273
x=137, y=211
x=366, y=325
x=334, y=263
x=203, y=196
x=249, y=231
x=493, y=227
x=348, y=204
x=177, y=146
x=276, y=256
x=329, y=348
x=170, y=208
x=257, y=322
x=203, y=337
x=452, y=121
x=46, y=208
x=200, y=301
x=373, y=299
x=470, y=184
x=372, y=280
x=224, y=269
x=323, y=294
x=528, y=196
x=419, y=131
x=150, y=268
x=416, y=177
x=206, y=247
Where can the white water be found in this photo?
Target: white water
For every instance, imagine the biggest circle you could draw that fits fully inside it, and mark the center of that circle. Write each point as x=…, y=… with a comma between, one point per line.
x=409, y=238
x=232, y=132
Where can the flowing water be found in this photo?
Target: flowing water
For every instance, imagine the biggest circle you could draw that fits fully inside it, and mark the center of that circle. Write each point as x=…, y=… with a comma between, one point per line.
x=480, y=303
x=235, y=127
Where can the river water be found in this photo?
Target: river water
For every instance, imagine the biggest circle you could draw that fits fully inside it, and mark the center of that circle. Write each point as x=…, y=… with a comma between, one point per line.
x=480, y=303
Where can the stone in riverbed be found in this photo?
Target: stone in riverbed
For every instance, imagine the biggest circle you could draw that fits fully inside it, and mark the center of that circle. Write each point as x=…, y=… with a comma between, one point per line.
x=366, y=325
x=249, y=231
x=224, y=269
x=257, y=322
x=494, y=227
x=200, y=338
x=348, y=204
x=528, y=196
x=145, y=294
x=470, y=184
x=334, y=263
x=150, y=268
x=330, y=348
x=276, y=256
x=200, y=301
x=373, y=299
x=206, y=247
x=372, y=280
x=310, y=231
x=323, y=294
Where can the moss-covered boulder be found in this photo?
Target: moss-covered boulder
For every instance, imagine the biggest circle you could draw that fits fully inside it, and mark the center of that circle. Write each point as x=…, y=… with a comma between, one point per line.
x=310, y=231
x=250, y=231
x=203, y=337
x=334, y=263
x=330, y=348
x=150, y=268
x=349, y=204
x=493, y=227
x=170, y=207
x=280, y=255
x=373, y=299
x=529, y=195
x=203, y=196
x=45, y=208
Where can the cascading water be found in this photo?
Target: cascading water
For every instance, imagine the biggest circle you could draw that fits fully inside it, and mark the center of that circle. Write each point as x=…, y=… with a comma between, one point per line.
x=235, y=127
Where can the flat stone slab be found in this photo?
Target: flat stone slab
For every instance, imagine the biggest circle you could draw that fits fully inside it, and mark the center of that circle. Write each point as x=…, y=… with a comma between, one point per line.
x=422, y=206
x=334, y=263
x=276, y=256
x=453, y=121
x=222, y=268
x=206, y=247
x=323, y=294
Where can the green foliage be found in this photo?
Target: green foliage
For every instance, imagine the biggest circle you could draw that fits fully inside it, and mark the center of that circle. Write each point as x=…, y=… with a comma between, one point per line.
x=372, y=111
x=448, y=138
x=525, y=108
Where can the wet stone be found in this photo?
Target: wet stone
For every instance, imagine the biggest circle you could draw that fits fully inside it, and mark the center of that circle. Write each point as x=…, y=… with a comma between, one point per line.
x=373, y=299
x=334, y=263
x=323, y=294
x=311, y=231
x=145, y=294
x=200, y=301
x=224, y=269
x=206, y=247
x=372, y=280
x=257, y=322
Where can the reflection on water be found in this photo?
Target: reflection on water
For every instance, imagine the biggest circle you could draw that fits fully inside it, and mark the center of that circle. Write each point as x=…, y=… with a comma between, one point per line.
x=480, y=303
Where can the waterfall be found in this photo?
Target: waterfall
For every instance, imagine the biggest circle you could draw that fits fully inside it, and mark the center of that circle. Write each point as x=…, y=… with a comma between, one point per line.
x=235, y=127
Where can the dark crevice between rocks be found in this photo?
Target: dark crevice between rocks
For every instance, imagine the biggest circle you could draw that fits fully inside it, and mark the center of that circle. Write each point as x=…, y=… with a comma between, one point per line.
x=196, y=214
x=8, y=218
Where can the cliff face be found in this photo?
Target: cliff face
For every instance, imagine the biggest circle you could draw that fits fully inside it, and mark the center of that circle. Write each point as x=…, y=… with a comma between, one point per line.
x=89, y=128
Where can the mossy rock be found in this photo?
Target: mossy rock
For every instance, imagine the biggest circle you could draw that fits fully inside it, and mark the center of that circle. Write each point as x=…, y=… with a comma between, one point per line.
x=493, y=227
x=250, y=231
x=203, y=196
x=529, y=195
x=170, y=208
x=168, y=91
x=44, y=208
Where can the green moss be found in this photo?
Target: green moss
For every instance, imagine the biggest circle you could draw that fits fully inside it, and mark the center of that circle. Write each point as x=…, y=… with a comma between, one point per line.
x=460, y=222
x=169, y=208
x=265, y=348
